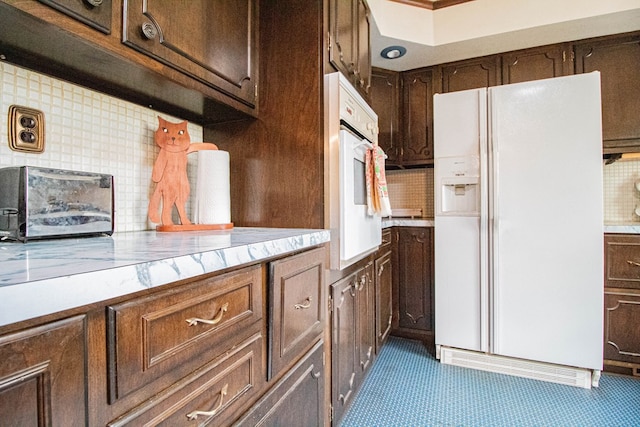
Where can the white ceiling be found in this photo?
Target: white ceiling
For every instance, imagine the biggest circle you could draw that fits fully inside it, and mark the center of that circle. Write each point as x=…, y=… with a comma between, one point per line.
x=484, y=27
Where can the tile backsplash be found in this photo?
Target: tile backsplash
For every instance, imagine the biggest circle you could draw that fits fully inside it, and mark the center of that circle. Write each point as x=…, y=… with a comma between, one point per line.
x=89, y=131
x=413, y=188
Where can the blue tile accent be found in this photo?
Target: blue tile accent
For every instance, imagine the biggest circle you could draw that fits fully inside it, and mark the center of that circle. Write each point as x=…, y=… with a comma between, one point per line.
x=407, y=386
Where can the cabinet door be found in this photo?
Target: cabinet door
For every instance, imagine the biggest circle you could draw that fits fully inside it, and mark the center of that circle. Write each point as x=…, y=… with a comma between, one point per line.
x=95, y=13
x=471, y=74
x=618, y=60
x=537, y=63
x=42, y=375
x=415, y=279
x=343, y=339
x=622, y=329
x=365, y=306
x=385, y=101
x=214, y=42
x=363, y=73
x=342, y=46
x=417, y=117
x=297, y=399
x=383, y=280
x=296, y=307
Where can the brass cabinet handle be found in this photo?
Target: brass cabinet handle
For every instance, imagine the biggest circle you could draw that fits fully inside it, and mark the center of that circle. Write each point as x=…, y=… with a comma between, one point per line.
x=195, y=320
x=195, y=414
x=637, y=264
x=381, y=269
x=305, y=304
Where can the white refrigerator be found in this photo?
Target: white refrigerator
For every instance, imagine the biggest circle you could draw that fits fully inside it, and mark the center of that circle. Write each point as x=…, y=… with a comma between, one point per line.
x=519, y=229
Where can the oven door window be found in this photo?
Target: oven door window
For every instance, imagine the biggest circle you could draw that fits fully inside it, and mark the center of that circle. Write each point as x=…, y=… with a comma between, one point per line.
x=359, y=182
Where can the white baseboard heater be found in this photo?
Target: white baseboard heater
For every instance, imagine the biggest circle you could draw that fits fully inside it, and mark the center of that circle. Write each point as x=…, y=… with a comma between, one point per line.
x=577, y=377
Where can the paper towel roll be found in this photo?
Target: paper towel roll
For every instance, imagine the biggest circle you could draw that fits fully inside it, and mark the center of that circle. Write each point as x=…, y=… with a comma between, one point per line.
x=213, y=200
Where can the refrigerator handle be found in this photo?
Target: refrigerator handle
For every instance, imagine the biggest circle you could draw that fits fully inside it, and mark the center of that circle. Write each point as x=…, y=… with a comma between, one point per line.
x=493, y=227
x=484, y=222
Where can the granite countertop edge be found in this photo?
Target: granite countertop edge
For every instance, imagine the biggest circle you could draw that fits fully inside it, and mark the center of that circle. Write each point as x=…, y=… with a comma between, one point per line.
x=45, y=277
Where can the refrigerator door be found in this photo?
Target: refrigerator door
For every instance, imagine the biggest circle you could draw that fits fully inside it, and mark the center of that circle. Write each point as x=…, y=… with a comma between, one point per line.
x=546, y=205
x=461, y=315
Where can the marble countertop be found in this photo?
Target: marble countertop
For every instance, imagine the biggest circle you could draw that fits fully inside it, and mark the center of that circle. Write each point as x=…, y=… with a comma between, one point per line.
x=407, y=222
x=627, y=228
x=44, y=277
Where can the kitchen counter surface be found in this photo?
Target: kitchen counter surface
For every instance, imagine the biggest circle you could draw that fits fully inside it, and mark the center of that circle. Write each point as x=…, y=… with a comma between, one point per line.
x=44, y=277
x=629, y=228
x=407, y=222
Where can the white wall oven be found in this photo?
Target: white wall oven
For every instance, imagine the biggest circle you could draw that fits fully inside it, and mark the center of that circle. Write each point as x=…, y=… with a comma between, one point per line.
x=351, y=127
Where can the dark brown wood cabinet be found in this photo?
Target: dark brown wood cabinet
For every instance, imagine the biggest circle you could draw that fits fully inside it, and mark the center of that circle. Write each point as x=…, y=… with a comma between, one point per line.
x=385, y=101
x=343, y=344
x=212, y=42
x=413, y=286
x=296, y=307
x=383, y=270
x=365, y=324
x=618, y=60
x=622, y=304
x=95, y=13
x=297, y=400
x=418, y=88
x=471, y=74
x=349, y=41
x=543, y=62
x=191, y=352
x=42, y=375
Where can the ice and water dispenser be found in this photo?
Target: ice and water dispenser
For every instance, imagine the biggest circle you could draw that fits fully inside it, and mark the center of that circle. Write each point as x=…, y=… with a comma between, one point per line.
x=458, y=186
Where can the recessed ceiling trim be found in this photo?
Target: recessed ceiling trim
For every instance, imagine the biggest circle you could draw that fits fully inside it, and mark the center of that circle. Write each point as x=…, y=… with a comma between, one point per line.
x=431, y=4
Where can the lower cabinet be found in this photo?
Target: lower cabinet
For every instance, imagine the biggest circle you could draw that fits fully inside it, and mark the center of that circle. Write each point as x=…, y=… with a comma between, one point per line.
x=413, y=284
x=196, y=352
x=383, y=270
x=297, y=399
x=353, y=335
x=42, y=375
x=622, y=304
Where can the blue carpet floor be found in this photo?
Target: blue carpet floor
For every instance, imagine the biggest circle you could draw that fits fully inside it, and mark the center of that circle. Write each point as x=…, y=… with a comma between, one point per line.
x=407, y=386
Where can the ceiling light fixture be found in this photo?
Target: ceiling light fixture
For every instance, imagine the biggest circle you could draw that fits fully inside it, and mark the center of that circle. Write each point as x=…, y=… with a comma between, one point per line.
x=393, y=52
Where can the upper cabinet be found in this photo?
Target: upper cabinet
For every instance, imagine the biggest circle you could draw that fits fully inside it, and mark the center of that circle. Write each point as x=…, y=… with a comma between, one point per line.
x=349, y=41
x=385, y=101
x=95, y=13
x=197, y=60
x=417, y=117
x=618, y=60
x=213, y=42
x=471, y=74
x=538, y=63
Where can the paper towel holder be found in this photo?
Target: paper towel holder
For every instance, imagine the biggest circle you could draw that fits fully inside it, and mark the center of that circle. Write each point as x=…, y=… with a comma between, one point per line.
x=173, y=188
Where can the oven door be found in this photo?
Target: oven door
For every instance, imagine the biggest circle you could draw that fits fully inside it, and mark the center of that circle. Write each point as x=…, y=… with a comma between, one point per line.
x=360, y=233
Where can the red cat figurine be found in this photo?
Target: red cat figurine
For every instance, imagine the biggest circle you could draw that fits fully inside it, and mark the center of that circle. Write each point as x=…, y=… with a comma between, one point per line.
x=170, y=171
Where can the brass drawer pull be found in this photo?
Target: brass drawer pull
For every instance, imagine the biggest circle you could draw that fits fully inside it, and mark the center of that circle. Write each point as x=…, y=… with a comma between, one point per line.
x=305, y=304
x=194, y=320
x=195, y=414
x=637, y=264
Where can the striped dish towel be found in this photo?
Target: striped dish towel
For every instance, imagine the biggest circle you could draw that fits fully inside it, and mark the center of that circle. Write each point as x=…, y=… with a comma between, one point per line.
x=377, y=193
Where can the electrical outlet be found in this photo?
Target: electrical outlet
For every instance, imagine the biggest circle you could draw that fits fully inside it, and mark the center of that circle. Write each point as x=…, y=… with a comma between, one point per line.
x=26, y=129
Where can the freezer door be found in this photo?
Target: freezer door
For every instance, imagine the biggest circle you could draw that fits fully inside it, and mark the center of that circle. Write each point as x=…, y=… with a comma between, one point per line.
x=547, y=236
x=461, y=233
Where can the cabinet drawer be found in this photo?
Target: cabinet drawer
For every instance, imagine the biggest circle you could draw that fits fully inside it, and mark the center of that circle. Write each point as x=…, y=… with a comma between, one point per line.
x=296, y=302
x=385, y=246
x=622, y=261
x=176, y=331
x=214, y=394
